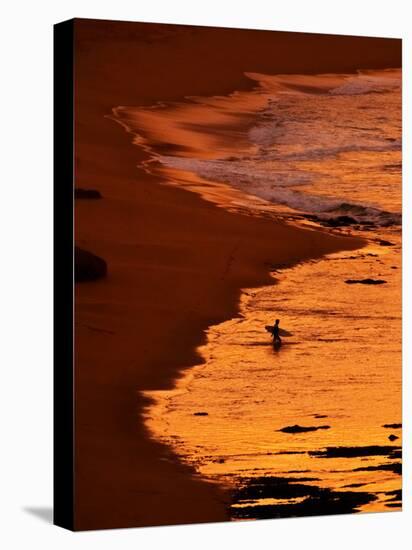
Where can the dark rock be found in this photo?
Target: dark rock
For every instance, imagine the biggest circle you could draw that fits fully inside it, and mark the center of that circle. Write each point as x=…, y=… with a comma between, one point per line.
x=365, y=281
x=393, y=437
x=87, y=266
x=392, y=426
x=393, y=504
x=316, y=500
x=396, y=454
x=290, y=453
x=396, y=494
x=340, y=221
x=385, y=243
x=302, y=429
x=356, y=452
x=276, y=487
x=86, y=194
x=200, y=414
x=320, y=416
x=395, y=467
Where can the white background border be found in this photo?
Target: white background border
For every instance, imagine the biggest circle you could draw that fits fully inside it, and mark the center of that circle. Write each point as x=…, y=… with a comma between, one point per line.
x=26, y=273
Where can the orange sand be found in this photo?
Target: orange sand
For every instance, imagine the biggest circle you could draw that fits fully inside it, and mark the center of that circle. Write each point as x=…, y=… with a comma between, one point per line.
x=176, y=262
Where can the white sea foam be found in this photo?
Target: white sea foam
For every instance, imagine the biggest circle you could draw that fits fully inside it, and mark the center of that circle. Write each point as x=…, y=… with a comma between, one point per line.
x=328, y=145
x=336, y=140
x=280, y=188
x=364, y=84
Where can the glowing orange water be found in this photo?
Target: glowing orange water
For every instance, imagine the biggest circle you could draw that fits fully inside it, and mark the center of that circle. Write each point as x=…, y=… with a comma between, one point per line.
x=341, y=365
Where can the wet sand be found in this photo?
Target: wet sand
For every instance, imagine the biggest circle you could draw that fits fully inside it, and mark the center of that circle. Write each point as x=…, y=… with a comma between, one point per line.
x=176, y=263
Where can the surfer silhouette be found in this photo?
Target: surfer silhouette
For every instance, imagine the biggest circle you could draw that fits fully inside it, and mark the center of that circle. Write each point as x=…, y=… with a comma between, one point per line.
x=275, y=333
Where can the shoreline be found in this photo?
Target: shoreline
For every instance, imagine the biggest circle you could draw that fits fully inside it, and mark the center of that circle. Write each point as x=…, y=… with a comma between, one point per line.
x=163, y=246
x=193, y=329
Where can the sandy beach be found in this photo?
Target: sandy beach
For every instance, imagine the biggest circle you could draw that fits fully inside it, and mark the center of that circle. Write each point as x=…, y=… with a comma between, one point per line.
x=176, y=263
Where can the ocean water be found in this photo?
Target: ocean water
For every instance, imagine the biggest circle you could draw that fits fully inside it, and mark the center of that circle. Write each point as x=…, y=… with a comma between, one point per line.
x=314, y=427
x=330, y=154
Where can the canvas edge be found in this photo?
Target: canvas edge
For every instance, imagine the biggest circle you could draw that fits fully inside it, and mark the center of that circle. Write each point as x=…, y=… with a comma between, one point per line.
x=63, y=249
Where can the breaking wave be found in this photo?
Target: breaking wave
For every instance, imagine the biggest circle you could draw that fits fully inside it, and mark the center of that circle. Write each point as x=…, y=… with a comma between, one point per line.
x=323, y=145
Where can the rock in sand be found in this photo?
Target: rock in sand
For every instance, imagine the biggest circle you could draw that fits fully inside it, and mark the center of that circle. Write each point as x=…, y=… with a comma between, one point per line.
x=88, y=266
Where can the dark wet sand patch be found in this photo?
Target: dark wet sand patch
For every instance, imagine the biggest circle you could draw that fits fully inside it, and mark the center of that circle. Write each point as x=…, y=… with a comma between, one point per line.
x=317, y=501
x=275, y=487
x=395, y=467
x=365, y=281
x=396, y=454
x=393, y=504
x=290, y=453
x=355, y=452
x=296, y=429
x=396, y=495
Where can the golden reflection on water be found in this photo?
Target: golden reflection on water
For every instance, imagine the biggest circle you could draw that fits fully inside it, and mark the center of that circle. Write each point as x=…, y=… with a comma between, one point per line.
x=340, y=367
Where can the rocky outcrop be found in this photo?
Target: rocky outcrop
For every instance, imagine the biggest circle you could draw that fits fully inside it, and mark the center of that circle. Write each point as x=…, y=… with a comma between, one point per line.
x=365, y=281
x=296, y=429
x=88, y=266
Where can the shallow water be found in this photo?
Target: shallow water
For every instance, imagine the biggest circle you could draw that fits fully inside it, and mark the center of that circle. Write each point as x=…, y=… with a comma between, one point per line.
x=339, y=368
x=315, y=147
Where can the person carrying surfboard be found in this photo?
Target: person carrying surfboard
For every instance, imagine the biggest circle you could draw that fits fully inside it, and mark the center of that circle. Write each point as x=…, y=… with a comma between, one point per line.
x=275, y=333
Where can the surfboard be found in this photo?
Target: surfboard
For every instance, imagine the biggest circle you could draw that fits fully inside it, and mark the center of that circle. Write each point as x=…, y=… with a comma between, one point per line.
x=282, y=331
